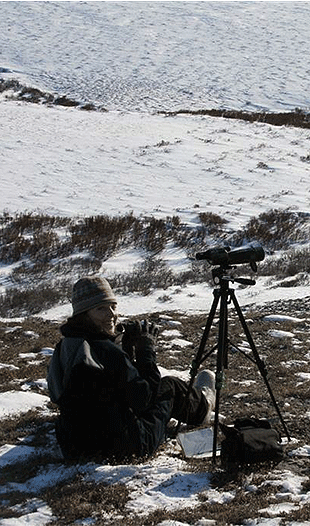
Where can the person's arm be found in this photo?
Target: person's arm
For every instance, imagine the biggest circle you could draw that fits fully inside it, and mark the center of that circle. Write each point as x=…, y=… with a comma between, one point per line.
x=139, y=341
x=146, y=355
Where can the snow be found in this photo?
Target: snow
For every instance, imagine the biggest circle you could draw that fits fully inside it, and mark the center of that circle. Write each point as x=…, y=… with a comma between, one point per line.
x=281, y=334
x=15, y=402
x=158, y=484
x=41, y=516
x=10, y=454
x=278, y=317
x=224, y=176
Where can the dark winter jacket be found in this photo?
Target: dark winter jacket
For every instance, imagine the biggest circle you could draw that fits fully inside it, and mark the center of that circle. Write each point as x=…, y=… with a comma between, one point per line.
x=101, y=394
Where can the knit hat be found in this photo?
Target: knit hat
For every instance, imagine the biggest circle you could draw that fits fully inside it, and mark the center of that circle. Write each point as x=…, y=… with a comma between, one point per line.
x=91, y=292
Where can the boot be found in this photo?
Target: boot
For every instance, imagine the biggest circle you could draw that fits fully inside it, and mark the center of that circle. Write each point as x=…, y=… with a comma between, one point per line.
x=205, y=384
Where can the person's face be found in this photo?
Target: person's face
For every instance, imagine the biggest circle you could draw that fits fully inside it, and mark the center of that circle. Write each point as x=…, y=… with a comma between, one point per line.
x=105, y=317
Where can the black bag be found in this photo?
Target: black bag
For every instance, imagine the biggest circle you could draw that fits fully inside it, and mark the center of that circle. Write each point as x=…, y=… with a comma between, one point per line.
x=250, y=440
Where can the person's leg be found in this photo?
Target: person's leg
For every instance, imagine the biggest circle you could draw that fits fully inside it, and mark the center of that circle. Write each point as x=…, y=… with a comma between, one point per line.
x=188, y=407
x=172, y=401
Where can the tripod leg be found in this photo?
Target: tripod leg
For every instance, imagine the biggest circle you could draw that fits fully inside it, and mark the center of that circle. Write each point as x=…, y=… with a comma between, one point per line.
x=221, y=363
x=199, y=356
x=258, y=360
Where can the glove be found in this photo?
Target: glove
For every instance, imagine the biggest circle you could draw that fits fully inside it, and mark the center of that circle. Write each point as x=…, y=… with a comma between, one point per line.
x=131, y=331
x=138, y=335
x=149, y=329
x=147, y=336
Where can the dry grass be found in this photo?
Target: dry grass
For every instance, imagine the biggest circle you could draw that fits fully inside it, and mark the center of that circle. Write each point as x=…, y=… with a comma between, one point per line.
x=275, y=229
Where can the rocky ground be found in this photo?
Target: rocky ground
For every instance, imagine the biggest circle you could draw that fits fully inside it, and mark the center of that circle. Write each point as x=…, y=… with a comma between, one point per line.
x=283, y=344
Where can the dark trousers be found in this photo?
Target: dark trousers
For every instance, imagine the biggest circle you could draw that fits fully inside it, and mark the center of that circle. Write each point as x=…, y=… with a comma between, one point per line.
x=172, y=401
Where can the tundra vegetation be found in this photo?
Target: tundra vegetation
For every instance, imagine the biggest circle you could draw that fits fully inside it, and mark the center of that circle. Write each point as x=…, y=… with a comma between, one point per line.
x=44, y=254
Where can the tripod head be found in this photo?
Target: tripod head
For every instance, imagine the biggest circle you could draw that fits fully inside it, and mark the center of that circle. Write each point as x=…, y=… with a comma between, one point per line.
x=220, y=276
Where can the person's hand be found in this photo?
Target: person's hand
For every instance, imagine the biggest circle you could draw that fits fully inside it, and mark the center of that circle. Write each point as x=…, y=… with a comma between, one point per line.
x=138, y=335
x=147, y=339
x=149, y=330
x=132, y=330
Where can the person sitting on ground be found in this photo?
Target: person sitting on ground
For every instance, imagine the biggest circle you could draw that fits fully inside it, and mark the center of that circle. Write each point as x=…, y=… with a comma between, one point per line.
x=113, y=403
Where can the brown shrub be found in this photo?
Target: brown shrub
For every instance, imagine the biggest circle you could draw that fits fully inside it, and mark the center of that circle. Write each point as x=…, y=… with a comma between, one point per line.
x=275, y=229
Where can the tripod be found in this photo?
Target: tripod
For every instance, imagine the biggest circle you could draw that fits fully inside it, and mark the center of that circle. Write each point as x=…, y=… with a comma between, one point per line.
x=224, y=295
